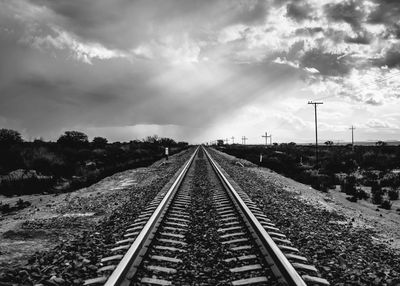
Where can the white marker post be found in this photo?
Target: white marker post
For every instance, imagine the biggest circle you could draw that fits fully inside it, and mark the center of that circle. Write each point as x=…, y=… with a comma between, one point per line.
x=166, y=153
x=261, y=157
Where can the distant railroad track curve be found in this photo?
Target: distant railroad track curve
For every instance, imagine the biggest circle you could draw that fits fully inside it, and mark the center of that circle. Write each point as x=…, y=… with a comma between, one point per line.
x=202, y=231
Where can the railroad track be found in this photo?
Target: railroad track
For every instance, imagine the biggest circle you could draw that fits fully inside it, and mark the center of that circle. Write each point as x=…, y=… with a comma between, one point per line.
x=204, y=232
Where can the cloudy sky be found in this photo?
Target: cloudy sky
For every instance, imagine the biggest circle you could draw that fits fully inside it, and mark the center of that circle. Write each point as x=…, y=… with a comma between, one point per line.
x=201, y=70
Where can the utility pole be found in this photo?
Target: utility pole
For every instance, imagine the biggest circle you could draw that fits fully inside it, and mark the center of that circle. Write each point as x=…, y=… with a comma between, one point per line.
x=233, y=140
x=266, y=138
x=316, y=131
x=352, y=137
x=244, y=140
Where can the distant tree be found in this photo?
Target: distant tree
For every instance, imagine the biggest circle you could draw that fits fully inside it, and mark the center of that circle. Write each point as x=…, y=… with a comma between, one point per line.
x=328, y=143
x=99, y=142
x=151, y=139
x=73, y=138
x=380, y=143
x=166, y=142
x=9, y=137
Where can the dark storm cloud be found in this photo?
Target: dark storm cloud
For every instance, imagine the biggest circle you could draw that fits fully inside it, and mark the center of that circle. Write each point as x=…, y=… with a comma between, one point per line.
x=362, y=38
x=326, y=63
x=373, y=102
x=308, y=31
x=122, y=24
x=387, y=11
x=391, y=58
x=299, y=11
x=349, y=11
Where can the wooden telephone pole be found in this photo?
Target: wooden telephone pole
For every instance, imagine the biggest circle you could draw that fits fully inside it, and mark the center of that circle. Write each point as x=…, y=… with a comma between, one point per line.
x=244, y=138
x=266, y=138
x=352, y=137
x=316, y=131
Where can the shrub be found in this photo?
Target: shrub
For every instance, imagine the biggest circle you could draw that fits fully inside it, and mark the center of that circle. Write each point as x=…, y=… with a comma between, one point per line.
x=393, y=194
x=99, y=142
x=361, y=194
x=349, y=186
x=386, y=204
x=9, y=137
x=377, y=194
x=4, y=208
x=73, y=139
x=352, y=199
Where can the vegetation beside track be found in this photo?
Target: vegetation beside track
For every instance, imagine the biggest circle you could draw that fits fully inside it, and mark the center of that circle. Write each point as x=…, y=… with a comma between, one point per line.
x=72, y=162
x=368, y=172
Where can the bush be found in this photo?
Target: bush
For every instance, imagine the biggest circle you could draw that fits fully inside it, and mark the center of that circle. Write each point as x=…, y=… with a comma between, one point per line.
x=9, y=137
x=352, y=199
x=377, y=194
x=361, y=194
x=99, y=142
x=393, y=194
x=73, y=139
x=4, y=208
x=386, y=204
x=349, y=186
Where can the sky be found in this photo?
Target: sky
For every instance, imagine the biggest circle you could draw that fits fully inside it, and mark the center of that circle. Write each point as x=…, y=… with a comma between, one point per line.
x=198, y=71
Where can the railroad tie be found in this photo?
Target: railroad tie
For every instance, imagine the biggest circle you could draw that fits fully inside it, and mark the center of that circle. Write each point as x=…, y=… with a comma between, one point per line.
x=125, y=241
x=161, y=269
x=111, y=258
x=232, y=234
x=166, y=258
x=169, y=248
x=172, y=234
x=315, y=280
x=291, y=256
x=177, y=229
x=305, y=267
x=97, y=280
x=241, y=258
x=130, y=234
x=106, y=268
x=276, y=234
x=249, y=281
x=233, y=241
x=229, y=228
x=245, y=268
x=172, y=241
x=155, y=281
x=240, y=248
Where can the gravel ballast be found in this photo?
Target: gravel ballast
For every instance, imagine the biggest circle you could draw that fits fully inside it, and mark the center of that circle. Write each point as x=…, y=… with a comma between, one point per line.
x=344, y=254
x=82, y=243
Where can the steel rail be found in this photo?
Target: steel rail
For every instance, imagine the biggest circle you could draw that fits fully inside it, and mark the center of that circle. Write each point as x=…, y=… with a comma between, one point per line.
x=128, y=265
x=284, y=270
